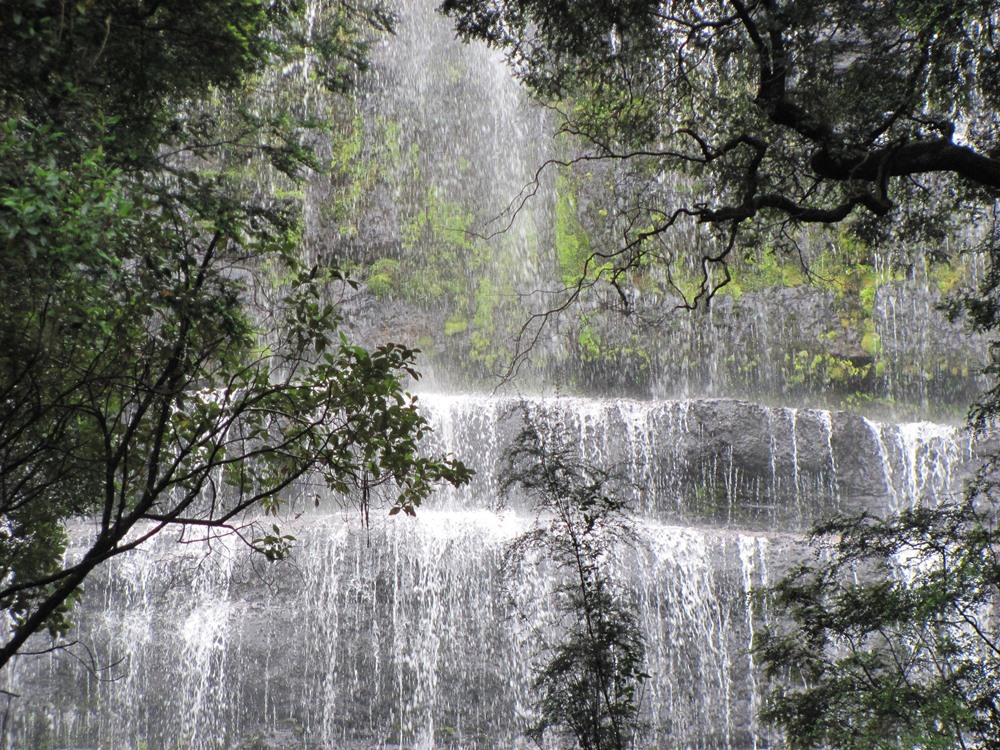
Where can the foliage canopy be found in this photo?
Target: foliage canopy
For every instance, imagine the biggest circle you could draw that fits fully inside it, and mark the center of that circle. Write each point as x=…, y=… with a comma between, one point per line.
x=889, y=638
x=166, y=360
x=726, y=127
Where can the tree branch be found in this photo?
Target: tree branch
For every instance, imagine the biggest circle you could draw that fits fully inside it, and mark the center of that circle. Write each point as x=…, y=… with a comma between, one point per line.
x=917, y=157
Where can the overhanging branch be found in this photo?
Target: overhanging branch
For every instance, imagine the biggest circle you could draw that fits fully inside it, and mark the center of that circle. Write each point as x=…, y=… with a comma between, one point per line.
x=914, y=158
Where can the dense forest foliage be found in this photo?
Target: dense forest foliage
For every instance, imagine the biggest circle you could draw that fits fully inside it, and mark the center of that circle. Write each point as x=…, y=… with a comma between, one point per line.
x=167, y=359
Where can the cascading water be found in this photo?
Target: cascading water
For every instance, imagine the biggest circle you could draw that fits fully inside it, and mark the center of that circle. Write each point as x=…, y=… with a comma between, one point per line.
x=405, y=634
x=721, y=461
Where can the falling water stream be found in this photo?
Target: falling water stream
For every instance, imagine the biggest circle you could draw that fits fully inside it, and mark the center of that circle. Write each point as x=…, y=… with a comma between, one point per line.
x=414, y=633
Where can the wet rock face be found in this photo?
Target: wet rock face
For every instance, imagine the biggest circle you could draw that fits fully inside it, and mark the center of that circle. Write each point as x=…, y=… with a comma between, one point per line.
x=420, y=633
x=722, y=461
x=400, y=636
x=780, y=344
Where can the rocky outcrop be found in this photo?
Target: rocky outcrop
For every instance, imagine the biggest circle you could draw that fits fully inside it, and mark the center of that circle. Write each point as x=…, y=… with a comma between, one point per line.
x=720, y=461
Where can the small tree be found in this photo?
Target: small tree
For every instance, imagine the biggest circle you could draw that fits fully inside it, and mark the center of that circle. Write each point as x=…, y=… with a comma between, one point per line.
x=590, y=679
x=890, y=638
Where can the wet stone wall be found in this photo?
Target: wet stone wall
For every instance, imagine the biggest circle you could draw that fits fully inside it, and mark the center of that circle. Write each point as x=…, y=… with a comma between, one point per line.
x=416, y=634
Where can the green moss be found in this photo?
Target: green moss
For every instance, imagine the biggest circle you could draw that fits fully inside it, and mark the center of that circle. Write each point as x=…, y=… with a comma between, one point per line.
x=487, y=345
x=867, y=298
x=573, y=247
x=362, y=157
x=822, y=369
x=389, y=266
x=383, y=277
x=455, y=324
x=391, y=143
x=380, y=285
x=871, y=343
x=445, y=251
x=766, y=270
x=947, y=277
x=734, y=289
x=589, y=342
x=792, y=274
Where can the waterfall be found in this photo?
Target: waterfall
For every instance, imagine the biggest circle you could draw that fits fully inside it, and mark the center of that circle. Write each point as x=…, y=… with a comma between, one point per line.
x=719, y=461
x=415, y=634
x=457, y=257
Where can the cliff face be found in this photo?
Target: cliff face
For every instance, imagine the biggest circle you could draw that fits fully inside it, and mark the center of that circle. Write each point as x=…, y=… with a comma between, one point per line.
x=424, y=632
x=417, y=633
x=436, y=202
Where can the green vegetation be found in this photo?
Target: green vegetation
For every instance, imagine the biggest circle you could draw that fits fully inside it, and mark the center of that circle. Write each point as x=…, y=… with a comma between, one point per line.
x=765, y=269
x=142, y=384
x=888, y=638
x=845, y=357
x=588, y=679
x=573, y=247
x=365, y=154
x=440, y=234
x=383, y=277
x=486, y=338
